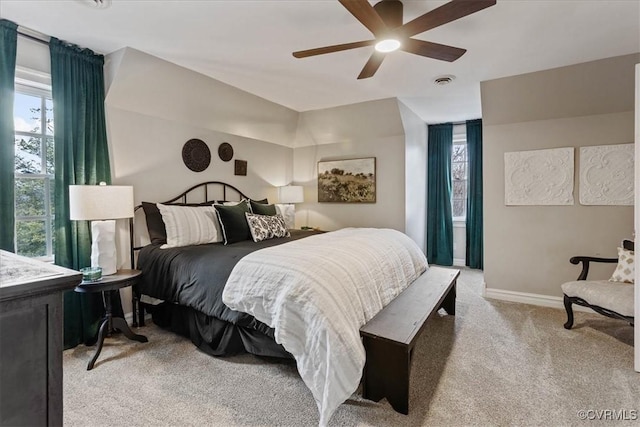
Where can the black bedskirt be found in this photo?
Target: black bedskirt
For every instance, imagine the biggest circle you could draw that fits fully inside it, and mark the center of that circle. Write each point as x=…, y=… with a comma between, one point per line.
x=214, y=336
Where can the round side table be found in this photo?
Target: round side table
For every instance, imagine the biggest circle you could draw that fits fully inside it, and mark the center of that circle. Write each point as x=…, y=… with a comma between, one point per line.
x=107, y=285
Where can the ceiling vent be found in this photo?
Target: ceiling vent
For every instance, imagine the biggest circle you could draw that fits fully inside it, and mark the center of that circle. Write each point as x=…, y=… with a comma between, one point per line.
x=443, y=80
x=96, y=4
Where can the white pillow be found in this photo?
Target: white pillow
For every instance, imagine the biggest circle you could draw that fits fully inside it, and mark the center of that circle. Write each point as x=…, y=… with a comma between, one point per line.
x=625, y=271
x=234, y=203
x=189, y=225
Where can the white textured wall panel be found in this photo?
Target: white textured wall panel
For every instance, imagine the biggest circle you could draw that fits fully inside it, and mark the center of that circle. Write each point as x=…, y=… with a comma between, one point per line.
x=606, y=175
x=539, y=177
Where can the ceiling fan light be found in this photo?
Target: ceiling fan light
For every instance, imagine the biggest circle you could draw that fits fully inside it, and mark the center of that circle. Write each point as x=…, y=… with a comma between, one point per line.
x=387, y=45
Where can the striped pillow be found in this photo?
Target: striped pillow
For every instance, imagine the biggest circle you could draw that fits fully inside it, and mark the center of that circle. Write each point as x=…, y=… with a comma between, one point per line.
x=189, y=225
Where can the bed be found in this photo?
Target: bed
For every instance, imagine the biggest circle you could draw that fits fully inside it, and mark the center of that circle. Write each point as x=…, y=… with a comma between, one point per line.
x=304, y=295
x=215, y=330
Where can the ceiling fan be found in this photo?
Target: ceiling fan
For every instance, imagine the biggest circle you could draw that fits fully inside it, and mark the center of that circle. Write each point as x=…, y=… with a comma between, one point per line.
x=384, y=20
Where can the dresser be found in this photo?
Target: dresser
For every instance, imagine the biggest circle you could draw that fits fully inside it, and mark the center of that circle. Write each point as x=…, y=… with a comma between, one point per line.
x=31, y=340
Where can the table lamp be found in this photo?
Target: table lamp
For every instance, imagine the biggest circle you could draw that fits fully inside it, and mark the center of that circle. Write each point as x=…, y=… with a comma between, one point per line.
x=287, y=196
x=102, y=205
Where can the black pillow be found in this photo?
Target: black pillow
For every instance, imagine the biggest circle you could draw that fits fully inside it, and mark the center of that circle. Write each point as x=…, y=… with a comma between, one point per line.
x=155, y=224
x=233, y=222
x=262, y=202
x=262, y=209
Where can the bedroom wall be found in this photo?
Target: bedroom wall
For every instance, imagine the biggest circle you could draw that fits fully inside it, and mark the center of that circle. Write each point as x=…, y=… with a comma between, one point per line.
x=415, y=130
x=137, y=81
x=154, y=107
x=368, y=129
x=527, y=248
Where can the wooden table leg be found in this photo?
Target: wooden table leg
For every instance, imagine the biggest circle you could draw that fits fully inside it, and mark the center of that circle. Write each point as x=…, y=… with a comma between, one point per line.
x=120, y=324
x=101, y=335
x=134, y=308
x=108, y=324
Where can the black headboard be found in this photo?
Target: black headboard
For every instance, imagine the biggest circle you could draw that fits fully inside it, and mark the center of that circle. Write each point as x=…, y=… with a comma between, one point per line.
x=183, y=197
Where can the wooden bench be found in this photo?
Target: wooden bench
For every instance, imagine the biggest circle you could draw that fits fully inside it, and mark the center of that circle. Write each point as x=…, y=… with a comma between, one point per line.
x=390, y=336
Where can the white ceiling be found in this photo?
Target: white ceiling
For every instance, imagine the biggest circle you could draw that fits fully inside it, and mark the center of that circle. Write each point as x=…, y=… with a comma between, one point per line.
x=248, y=44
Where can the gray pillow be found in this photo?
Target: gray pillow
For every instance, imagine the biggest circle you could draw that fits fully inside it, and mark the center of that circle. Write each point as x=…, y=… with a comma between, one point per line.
x=262, y=209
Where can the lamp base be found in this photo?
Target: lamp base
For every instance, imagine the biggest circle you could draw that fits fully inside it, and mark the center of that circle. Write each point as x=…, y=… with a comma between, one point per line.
x=288, y=212
x=103, y=246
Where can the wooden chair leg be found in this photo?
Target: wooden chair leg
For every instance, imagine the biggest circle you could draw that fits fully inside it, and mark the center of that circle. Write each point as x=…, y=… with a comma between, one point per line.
x=569, y=308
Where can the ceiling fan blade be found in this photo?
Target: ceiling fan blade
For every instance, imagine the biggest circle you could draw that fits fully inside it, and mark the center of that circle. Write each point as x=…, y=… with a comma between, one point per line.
x=448, y=12
x=330, y=49
x=432, y=50
x=366, y=14
x=372, y=65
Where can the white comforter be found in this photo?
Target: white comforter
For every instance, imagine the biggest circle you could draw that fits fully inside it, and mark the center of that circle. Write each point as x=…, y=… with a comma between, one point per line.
x=317, y=292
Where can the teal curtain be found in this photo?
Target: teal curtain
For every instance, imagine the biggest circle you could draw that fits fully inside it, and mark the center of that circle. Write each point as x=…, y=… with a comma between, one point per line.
x=439, y=220
x=8, y=43
x=474, y=246
x=81, y=158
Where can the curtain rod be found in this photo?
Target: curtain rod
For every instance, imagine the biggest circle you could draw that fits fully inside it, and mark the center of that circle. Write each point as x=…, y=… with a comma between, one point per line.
x=464, y=122
x=36, y=36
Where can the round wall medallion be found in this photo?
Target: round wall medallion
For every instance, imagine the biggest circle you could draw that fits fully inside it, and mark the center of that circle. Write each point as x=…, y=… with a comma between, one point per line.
x=225, y=151
x=196, y=155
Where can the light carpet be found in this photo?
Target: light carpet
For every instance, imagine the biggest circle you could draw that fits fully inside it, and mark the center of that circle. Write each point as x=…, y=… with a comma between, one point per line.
x=494, y=363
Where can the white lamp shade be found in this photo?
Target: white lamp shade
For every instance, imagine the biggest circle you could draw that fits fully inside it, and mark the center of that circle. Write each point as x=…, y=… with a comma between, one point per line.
x=291, y=194
x=97, y=202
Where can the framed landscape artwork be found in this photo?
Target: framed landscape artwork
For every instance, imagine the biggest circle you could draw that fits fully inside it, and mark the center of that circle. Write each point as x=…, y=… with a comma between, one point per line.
x=347, y=181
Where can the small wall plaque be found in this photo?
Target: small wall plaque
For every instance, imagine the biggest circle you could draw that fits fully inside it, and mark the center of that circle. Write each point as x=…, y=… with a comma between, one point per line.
x=225, y=151
x=241, y=167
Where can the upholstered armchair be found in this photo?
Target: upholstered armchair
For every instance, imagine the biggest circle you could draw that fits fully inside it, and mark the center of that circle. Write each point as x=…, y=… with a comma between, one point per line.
x=612, y=298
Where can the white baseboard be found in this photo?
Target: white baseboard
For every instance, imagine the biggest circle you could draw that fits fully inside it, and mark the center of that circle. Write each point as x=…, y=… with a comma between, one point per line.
x=458, y=262
x=528, y=298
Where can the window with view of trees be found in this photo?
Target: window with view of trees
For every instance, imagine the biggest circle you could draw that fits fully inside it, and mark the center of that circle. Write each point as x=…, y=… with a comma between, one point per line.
x=34, y=167
x=459, y=166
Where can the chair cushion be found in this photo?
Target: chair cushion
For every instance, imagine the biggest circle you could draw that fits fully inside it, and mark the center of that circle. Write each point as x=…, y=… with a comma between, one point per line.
x=615, y=296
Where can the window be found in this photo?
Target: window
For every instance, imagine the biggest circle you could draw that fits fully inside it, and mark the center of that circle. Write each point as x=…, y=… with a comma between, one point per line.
x=34, y=167
x=459, y=167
